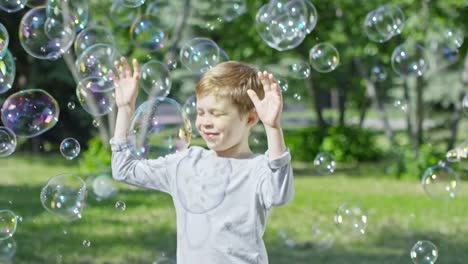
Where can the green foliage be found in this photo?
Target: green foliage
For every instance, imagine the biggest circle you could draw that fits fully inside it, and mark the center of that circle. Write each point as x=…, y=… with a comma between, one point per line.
x=349, y=143
x=97, y=158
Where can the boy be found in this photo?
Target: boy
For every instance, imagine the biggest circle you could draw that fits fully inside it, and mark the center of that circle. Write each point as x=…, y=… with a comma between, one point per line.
x=224, y=221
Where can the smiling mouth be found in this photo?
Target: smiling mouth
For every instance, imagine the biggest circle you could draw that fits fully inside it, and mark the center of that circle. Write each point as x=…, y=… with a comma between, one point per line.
x=211, y=135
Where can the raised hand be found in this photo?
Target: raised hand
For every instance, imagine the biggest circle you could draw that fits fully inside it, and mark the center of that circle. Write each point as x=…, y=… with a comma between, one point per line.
x=126, y=83
x=270, y=107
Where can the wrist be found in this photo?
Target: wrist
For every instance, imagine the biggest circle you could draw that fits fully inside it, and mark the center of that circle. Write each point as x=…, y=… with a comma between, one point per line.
x=272, y=127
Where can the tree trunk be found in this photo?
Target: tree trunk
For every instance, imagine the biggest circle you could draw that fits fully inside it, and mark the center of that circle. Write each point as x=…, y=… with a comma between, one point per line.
x=315, y=91
x=419, y=130
x=409, y=123
x=457, y=114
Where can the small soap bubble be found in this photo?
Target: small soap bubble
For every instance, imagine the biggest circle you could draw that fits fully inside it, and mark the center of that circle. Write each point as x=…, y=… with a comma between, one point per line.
x=8, y=222
x=70, y=148
x=71, y=105
x=324, y=57
x=440, y=181
x=351, y=218
x=325, y=163
x=424, y=252
x=96, y=123
x=86, y=243
x=120, y=205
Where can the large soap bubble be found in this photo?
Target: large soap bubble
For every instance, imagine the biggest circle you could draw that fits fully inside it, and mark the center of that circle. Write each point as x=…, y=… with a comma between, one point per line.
x=4, y=40
x=76, y=10
x=408, y=59
x=30, y=113
x=440, y=181
x=283, y=25
x=12, y=6
x=92, y=36
x=147, y=33
x=45, y=37
x=202, y=182
x=8, y=221
x=103, y=187
x=155, y=78
x=159, y=127
x=383, y=23
x=96, y=95
x=199, y=55
x=324, y=57
x=64, y=196
x=98, y=61
x=7, y=72
x=7, y=141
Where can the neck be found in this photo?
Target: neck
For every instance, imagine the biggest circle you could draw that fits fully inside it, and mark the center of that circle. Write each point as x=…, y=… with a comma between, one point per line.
x=238, y=151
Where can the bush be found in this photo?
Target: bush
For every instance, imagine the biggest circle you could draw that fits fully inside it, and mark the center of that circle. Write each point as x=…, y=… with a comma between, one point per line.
x=97, y=158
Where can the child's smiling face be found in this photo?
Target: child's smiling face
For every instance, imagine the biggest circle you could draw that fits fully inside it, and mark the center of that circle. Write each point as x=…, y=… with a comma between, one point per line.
x=220, y=124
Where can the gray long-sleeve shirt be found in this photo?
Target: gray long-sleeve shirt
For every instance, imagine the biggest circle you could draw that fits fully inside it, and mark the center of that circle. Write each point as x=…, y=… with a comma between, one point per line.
x=222, y=204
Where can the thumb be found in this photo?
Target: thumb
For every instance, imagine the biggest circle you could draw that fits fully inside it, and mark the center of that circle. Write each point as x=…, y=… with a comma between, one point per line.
x=253, y=96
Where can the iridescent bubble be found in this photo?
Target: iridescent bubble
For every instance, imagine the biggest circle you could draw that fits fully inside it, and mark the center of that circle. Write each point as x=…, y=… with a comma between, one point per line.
x=7, y=72
x=12, y=6
x=351, y=218
x=440, y=181
x=201, y=182
x=4, y=40
x=155, y=79
x=86, y=243
x=147, y=34
x=300, y=70
x=8, y=223
x=29, y=113
x=122, y=15
x=45, y=37
x=190, y=109
x=159, y=127
x=324, y=57
x=77, y=10
x=283, y=84
x=325, y=163
x=36, y=3
x=7, y=249
x=424, y=252
x=408, y=59
x=378, y=73
x=98, y=61
x=199, y=55
x=64, y=196
x=92, y=36
x=96, y=95
x=103, y=186
x=453, y=37
x=383, y=23
x=7, y=141
x=70, y=148
x=120, y=205
x=132, y=3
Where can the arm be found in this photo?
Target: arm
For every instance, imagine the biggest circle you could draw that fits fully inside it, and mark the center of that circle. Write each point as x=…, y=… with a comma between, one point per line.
x=276, y=186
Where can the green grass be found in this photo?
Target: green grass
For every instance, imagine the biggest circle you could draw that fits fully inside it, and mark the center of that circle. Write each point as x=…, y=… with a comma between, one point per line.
x=399, y=214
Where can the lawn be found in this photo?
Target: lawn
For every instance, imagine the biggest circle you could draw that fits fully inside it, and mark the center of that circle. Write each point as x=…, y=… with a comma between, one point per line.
x=399, y=214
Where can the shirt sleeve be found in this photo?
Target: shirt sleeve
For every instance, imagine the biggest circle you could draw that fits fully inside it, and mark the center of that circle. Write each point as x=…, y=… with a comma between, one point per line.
x=148, y=173
x=276, y=185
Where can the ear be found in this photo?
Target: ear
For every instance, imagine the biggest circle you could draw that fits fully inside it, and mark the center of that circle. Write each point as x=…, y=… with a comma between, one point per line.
x=252, y=117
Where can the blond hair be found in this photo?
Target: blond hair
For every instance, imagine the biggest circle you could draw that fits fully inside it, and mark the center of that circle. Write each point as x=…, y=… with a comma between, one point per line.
x=231, y=80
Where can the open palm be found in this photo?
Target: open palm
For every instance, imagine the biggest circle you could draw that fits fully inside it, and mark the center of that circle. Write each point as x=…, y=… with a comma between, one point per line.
x=126, y=83
x=270, y=107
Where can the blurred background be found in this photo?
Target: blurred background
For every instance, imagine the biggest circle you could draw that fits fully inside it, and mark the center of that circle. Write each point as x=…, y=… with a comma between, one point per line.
x=375, y=115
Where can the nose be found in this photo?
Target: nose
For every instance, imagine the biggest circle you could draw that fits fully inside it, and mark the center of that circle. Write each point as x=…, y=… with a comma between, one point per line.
x=204, y=121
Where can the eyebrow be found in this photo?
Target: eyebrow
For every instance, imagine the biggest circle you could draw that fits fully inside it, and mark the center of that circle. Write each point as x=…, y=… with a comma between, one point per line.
x=211, y=109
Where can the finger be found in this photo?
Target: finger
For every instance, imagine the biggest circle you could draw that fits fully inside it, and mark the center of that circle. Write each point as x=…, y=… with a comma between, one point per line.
x=126, y=67
x=117, y=67
x=113, y=77
x=265, y=82
x=253, y=96
x=136, y=69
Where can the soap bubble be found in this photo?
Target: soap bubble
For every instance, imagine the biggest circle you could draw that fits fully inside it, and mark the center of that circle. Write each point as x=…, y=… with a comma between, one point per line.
x=122, y=15
x=86, y=243
x=155, y=79
x=202, y=182
x=120, y=205
x=7, y=72
x=92, y=36
x=283, y=25
x=162, y=12
x=132, y=3
x=378, y=73
x=29, y=113
x=70, y=148
x=300, y=70
x=98, y=61
x=7, y=141
x=325, y=163
x=103, y=186
x=440, y=181
x=8, y=221
x=96, y=123
x=230, y=9
x=324, y=57
x=147, y=34
x=45, y=37
x=4, y=40
x=12, y=6
x=383, y=23
x=408, y=59
x=71, y=105
x=351, y=218
x=453, y=155
x=96, y=95
x=159, y=127
x=401, y=105
x=424, y=252
x=7, y=249
x=64, y=196
x=77, y=10
x=199, y=55
x=190, y=109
